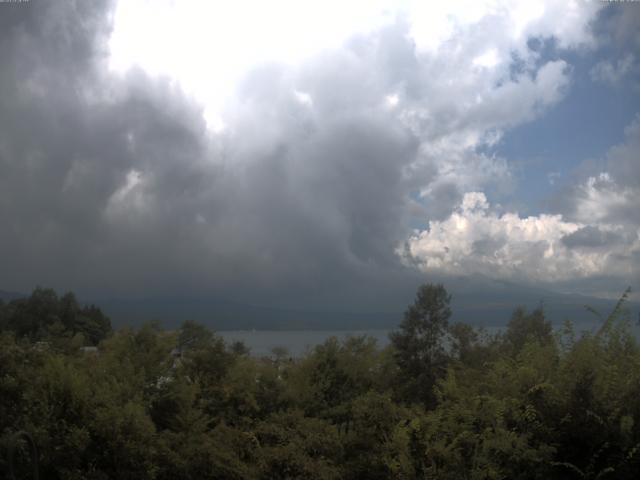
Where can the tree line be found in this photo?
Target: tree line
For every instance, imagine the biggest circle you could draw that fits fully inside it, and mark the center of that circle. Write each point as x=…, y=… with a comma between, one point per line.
x=442, y=401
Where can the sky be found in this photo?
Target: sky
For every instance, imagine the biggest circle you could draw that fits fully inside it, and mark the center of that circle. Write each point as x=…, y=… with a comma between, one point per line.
x=321, y=154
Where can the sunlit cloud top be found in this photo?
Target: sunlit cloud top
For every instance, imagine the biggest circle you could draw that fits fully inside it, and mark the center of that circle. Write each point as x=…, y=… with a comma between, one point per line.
x=208, y=46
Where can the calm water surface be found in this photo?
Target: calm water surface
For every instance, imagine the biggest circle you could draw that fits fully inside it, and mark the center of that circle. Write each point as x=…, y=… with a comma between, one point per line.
x=298, y=342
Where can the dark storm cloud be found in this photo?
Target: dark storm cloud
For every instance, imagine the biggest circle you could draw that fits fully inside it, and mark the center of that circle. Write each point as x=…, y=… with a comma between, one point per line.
x=114, y=185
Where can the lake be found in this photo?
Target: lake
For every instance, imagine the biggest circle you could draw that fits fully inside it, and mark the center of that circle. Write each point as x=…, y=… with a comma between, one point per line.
x=297, y=342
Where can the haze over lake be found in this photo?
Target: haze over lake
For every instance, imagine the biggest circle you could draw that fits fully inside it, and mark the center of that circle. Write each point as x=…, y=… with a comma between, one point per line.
x=299, y=342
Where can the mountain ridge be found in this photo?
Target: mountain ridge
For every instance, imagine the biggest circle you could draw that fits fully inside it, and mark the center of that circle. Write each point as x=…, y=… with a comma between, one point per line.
x=491, y=304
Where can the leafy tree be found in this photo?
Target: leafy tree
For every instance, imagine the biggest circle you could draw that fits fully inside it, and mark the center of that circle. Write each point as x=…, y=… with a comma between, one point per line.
x=334, y=374
x=525, y=327
x=294, y=446
x=194, y=336
x=239, y=348
x=43, y=316
x=419, y=350
x=376, y=444
x=93, y=324
x=221, y=453
x=30, y=317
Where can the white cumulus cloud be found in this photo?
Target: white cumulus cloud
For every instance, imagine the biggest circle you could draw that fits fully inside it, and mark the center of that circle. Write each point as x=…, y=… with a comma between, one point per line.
x=544, y=248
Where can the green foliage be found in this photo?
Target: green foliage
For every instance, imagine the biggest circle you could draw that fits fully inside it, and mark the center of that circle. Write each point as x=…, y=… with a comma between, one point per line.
x=294, y=446
x=419, y=350
x=446, y=402
x=527, y=327
x=194, y=336
x=376, y=444
x=44, y=317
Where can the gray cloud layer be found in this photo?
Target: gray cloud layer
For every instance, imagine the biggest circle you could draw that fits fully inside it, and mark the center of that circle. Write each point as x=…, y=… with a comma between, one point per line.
x=113, y=185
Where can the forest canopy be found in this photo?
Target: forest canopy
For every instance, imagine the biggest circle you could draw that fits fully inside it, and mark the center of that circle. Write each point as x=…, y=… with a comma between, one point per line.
x=446, y=401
